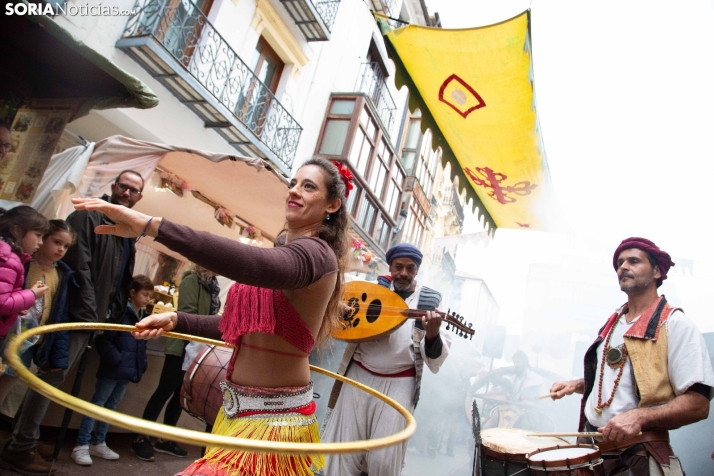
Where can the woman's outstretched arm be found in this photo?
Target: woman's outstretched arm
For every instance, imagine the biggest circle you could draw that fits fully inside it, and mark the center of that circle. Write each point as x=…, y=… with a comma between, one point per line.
x=296, y=265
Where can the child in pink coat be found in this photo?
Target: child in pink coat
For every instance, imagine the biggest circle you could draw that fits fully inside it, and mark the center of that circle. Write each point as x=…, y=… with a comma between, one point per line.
x=21, y=231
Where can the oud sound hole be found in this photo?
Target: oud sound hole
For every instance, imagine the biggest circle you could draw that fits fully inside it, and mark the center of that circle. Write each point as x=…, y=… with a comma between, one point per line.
x=374, y=310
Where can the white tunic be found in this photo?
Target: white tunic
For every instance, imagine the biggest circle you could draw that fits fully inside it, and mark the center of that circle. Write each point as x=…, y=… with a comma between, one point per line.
x=687, y=360
x=359, y=416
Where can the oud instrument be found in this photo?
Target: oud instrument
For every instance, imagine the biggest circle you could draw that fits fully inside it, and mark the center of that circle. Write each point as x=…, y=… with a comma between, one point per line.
x=375, y=312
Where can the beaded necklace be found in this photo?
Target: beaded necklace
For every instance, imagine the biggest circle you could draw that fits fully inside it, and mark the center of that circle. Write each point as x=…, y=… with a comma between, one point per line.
x=615, y=357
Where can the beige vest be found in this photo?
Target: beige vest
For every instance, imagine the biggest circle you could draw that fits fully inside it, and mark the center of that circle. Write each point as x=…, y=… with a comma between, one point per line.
x=648, y=355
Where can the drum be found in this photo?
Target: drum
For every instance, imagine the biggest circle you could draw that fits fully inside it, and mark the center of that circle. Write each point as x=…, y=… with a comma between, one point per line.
x=201, y=394
x=504, y=450
x=571, y=460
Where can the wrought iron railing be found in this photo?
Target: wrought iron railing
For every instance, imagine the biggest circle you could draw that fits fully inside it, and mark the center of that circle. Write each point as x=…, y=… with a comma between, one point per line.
x=375, y=87
x=389, y=9
x=185, y=32
x=385, y=7
x=327, y=9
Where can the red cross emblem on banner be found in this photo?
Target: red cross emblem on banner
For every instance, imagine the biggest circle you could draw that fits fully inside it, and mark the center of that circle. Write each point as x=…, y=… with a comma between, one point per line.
x=489, y=179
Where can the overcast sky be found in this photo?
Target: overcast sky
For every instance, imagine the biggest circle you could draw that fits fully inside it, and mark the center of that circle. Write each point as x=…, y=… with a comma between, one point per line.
x=625, y=94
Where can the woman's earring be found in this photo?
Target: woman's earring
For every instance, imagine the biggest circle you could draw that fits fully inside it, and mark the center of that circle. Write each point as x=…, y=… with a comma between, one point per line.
x=328, y=217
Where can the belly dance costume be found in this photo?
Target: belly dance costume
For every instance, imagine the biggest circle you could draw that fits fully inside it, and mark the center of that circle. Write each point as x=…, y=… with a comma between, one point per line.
x=271, y=414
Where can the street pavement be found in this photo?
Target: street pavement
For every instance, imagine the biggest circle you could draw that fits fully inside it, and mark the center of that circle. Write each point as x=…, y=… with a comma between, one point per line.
x=127, y=464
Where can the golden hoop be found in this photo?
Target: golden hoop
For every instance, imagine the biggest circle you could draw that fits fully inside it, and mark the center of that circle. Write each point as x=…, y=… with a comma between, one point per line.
x=191, y=437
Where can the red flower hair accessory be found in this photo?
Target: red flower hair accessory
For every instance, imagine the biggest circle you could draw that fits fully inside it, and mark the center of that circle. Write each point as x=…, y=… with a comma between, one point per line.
x=346, y=176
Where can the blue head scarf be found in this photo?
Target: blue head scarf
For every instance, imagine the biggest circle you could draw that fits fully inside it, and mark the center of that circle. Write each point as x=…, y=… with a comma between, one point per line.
x=404, y=250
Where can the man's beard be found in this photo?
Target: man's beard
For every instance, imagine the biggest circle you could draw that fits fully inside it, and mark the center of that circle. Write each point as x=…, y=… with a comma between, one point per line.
x=402, y=287
x=637, y=284
x=115, y=200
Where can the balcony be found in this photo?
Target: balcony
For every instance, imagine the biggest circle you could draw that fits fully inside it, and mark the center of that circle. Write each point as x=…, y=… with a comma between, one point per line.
x=385, y=7
x=372, y=83
x=314, y=18
x=457, y=208
x=180, y=48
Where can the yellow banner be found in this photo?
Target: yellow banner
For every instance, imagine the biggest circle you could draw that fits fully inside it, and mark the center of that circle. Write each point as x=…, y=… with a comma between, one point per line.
x=478, y=86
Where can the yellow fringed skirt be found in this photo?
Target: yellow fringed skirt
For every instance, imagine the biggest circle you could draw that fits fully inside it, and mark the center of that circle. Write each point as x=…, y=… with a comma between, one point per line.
x=293, y=425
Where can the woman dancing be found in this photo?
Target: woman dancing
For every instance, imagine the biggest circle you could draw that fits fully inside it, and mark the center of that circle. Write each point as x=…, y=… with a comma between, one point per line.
x=284, y=301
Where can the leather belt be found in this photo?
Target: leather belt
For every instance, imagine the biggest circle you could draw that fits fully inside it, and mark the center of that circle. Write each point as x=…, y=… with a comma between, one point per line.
x=645, y=437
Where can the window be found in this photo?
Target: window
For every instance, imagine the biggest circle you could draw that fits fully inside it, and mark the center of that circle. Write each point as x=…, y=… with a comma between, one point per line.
x=337, y=127
x=255, y=97
x=426, y=166
x=394, y=190
x=412, y=142
x=267, y=65
x=366, y=215
x=183, y=29
x=380, y=169
x=352, y=133
x=382, y=233
x=354, y=199
x=415, y=224
x=364, y=143
x=419, y=162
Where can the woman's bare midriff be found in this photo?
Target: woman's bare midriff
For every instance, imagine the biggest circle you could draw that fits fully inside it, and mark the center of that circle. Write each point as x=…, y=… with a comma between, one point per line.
x=260, y=368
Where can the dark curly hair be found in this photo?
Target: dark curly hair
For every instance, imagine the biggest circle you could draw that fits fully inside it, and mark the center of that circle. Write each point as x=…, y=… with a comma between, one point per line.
x=16, y=222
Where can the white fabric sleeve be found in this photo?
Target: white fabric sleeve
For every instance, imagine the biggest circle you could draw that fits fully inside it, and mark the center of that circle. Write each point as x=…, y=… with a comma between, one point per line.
x=688, y=360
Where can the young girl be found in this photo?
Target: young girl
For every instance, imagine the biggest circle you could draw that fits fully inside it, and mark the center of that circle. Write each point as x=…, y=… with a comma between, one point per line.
x=21, y=232
x=52, y=350
x=122, y=359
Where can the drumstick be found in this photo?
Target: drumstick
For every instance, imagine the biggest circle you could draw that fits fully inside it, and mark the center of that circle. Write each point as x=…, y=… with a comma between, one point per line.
x=592, y=434
x=545, y=395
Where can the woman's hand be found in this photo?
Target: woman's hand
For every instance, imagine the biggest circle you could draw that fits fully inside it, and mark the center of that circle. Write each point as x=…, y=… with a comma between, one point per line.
x=127, y=222
x=153, y=326
x=39, y=289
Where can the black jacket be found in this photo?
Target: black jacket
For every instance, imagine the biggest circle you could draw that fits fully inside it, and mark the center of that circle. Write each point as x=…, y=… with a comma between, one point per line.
x=54, y=349
x=96, y=261
x=121, y=357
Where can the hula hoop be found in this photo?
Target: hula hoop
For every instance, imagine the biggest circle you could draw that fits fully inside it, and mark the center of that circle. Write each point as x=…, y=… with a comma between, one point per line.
x=192, y=437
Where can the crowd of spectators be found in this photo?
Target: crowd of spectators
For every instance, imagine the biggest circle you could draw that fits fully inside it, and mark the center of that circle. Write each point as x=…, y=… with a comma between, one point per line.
x=55, y=271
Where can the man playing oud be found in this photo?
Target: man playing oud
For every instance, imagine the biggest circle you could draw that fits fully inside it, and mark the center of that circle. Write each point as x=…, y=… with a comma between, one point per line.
x=647, y=372
x=392, y=365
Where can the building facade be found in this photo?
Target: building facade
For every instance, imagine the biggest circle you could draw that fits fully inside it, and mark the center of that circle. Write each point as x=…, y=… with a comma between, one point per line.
x=284, y=80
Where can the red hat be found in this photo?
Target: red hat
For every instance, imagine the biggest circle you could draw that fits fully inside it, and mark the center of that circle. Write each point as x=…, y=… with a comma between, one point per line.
x=664, y=260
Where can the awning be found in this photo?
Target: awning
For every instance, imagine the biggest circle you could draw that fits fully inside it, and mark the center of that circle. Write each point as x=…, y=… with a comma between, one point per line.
x=474, y=88
x=43, y=60
x=249, y=187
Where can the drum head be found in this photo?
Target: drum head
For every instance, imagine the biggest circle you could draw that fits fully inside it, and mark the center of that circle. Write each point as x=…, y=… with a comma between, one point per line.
x=564, y=456
x=513, y=441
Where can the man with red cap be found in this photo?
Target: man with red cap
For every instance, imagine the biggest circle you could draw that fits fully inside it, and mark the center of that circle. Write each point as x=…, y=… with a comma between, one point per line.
x=647, y=372
x=392, y=365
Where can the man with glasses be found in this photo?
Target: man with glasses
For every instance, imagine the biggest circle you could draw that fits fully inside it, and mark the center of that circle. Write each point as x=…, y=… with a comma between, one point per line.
x=392, y=365
x=5, y=138
x=103, y=267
